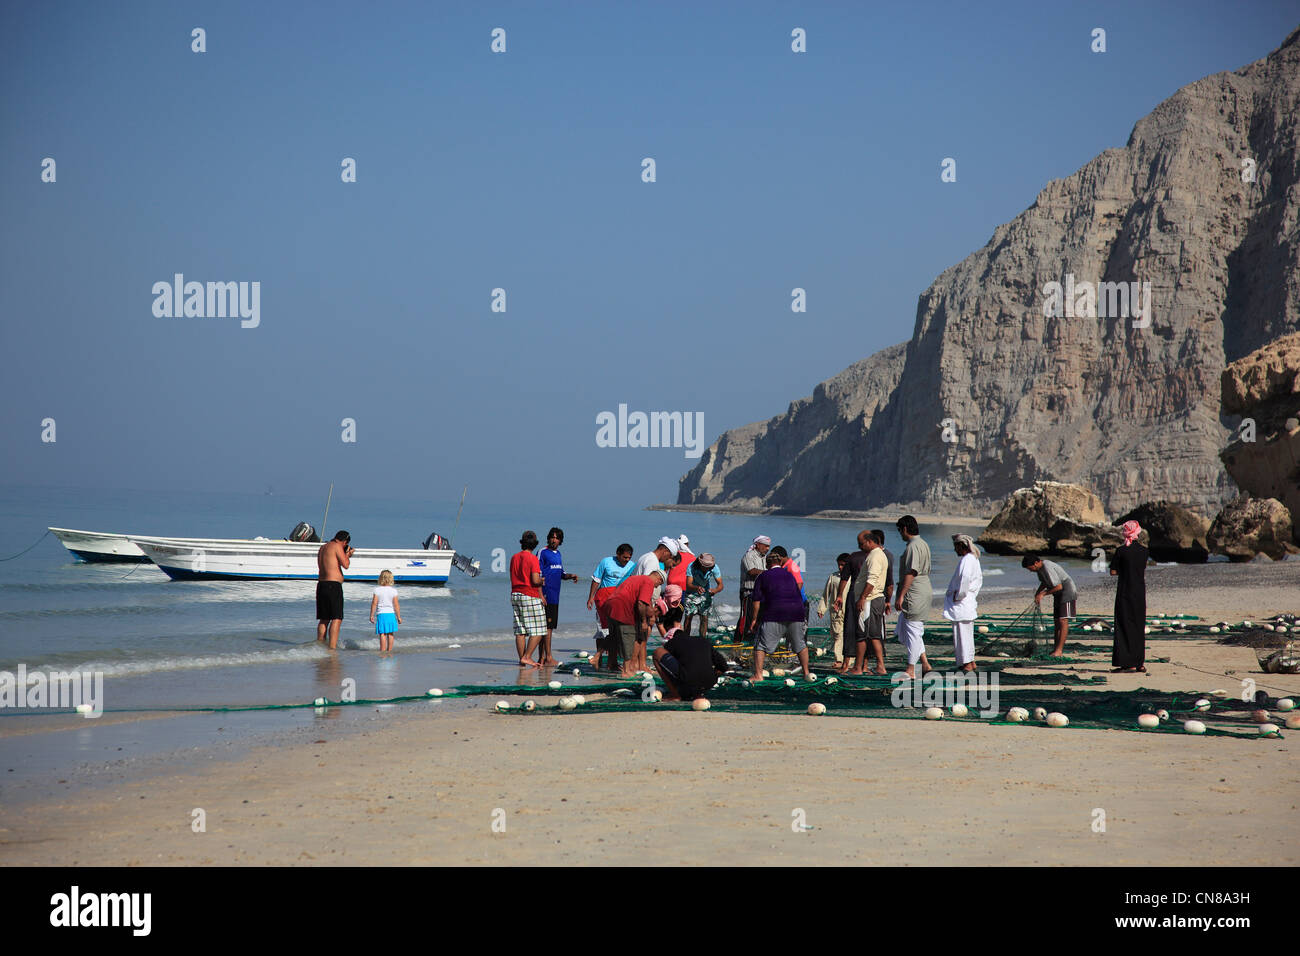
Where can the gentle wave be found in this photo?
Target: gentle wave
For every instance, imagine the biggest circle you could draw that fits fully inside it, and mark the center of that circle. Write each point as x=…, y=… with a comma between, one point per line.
x=307, y=651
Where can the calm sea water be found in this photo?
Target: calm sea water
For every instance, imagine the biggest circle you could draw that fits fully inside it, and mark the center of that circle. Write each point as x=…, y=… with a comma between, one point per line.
x=160, y=642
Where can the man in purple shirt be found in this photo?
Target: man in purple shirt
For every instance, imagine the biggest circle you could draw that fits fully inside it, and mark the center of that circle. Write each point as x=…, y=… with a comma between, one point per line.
x=779, y=611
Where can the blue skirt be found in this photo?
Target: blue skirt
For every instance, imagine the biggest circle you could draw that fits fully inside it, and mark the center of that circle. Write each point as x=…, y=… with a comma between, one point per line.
x=385, y=623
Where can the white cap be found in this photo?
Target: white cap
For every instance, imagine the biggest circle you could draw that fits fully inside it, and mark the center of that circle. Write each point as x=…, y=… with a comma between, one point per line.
x=670, y=544
x=684, y=541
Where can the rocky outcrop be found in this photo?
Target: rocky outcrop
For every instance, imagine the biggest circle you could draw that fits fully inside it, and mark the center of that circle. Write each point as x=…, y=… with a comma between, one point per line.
x=820, y=443
x=1173, y=532
x=997, y=388
x=1264, y=388
x=1249, y=526
x=1050, y=518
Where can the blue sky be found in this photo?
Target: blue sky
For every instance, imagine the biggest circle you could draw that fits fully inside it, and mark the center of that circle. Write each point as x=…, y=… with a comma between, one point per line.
x=520, y=171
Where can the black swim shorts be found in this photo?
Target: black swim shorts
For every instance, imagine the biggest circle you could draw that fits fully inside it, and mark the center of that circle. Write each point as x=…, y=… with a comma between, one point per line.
x=329, y=600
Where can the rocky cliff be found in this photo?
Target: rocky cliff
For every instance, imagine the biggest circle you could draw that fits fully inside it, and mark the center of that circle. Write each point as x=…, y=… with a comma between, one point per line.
x=1131, y=412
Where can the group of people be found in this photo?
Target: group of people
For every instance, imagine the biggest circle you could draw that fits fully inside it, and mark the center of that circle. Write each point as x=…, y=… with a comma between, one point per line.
x=667, y=588
x=867, y=585
x=870, y=583
x=664, y=590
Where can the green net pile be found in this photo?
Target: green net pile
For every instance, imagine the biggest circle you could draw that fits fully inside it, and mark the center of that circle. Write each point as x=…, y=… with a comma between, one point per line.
x=1085, y=708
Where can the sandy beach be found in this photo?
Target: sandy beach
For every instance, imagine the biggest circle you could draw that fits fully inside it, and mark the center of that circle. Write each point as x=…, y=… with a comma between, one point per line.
x=460, y=784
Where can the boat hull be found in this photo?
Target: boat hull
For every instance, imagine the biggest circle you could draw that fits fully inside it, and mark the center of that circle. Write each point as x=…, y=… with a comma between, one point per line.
x=97, y=546
x=191, y=559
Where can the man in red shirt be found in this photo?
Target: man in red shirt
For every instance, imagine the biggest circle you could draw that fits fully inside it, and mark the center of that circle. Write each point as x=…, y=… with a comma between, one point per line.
x=631, y=614
x=526, y=602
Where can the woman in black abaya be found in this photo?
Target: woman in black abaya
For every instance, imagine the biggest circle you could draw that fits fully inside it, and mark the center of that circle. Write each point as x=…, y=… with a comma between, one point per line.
x=1129, y=566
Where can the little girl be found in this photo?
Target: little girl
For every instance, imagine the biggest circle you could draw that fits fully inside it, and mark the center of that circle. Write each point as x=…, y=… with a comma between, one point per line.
x=389, y=611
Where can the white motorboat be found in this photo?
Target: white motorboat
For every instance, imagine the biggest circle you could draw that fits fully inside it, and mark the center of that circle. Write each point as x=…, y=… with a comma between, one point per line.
x=214, y=558
x=98, y=546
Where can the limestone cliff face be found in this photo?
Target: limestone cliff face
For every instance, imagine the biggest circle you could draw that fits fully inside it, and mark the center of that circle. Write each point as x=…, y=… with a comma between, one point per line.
x=1133, y=413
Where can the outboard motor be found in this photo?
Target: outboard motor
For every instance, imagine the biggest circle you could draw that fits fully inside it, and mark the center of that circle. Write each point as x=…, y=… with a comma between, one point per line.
x=436, y=542
x=302, y=531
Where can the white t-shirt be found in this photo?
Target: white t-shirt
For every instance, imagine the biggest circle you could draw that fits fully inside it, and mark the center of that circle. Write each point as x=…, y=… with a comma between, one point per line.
x=386, y=596
x=648, y=563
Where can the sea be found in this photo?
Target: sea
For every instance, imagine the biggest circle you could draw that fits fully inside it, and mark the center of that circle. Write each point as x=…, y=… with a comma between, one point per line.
x=188, y=651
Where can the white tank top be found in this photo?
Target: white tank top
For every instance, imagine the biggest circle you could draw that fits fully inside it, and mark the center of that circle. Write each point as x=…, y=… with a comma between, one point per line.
x=385, y=595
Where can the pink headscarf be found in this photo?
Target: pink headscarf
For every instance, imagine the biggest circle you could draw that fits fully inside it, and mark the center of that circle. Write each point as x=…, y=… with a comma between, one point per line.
x=1131, y=530
x=673, y=594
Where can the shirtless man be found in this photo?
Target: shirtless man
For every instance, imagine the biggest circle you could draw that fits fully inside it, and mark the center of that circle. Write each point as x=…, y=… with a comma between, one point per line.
x=331, y=561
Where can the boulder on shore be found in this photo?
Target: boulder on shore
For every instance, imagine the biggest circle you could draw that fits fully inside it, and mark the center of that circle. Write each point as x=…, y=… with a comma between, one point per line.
x=1264, y=388
x=1175, y=533
x=1249, y=526
x=1050, y=518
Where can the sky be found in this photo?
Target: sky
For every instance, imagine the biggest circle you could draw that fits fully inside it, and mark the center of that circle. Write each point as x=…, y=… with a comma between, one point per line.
x=520, y=170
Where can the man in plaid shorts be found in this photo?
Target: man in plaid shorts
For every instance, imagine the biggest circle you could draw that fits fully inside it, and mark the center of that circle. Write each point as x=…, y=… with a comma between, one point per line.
x=526, y=604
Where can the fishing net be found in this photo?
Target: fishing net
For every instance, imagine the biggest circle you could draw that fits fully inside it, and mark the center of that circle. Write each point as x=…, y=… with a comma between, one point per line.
x=1018, y=637
x=874, y=699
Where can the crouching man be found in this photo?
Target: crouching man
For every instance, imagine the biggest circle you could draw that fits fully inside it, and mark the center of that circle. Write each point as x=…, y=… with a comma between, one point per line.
x=688, y=666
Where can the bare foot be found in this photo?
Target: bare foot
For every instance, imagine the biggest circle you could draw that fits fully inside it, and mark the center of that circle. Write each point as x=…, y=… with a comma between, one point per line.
x=526, y=662
x=880, y=672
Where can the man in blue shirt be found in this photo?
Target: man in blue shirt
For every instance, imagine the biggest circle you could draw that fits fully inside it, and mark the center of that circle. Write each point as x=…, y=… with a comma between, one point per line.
x=610, y=572
x=552, y=574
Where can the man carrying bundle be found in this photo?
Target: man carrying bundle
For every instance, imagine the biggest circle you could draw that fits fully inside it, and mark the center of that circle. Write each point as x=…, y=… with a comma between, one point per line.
x=870, y=608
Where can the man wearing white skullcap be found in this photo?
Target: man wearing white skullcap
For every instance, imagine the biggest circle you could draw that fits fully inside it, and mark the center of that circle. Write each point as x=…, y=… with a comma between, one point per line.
x=663, y=557
x=752, y=565
x=959, y=601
